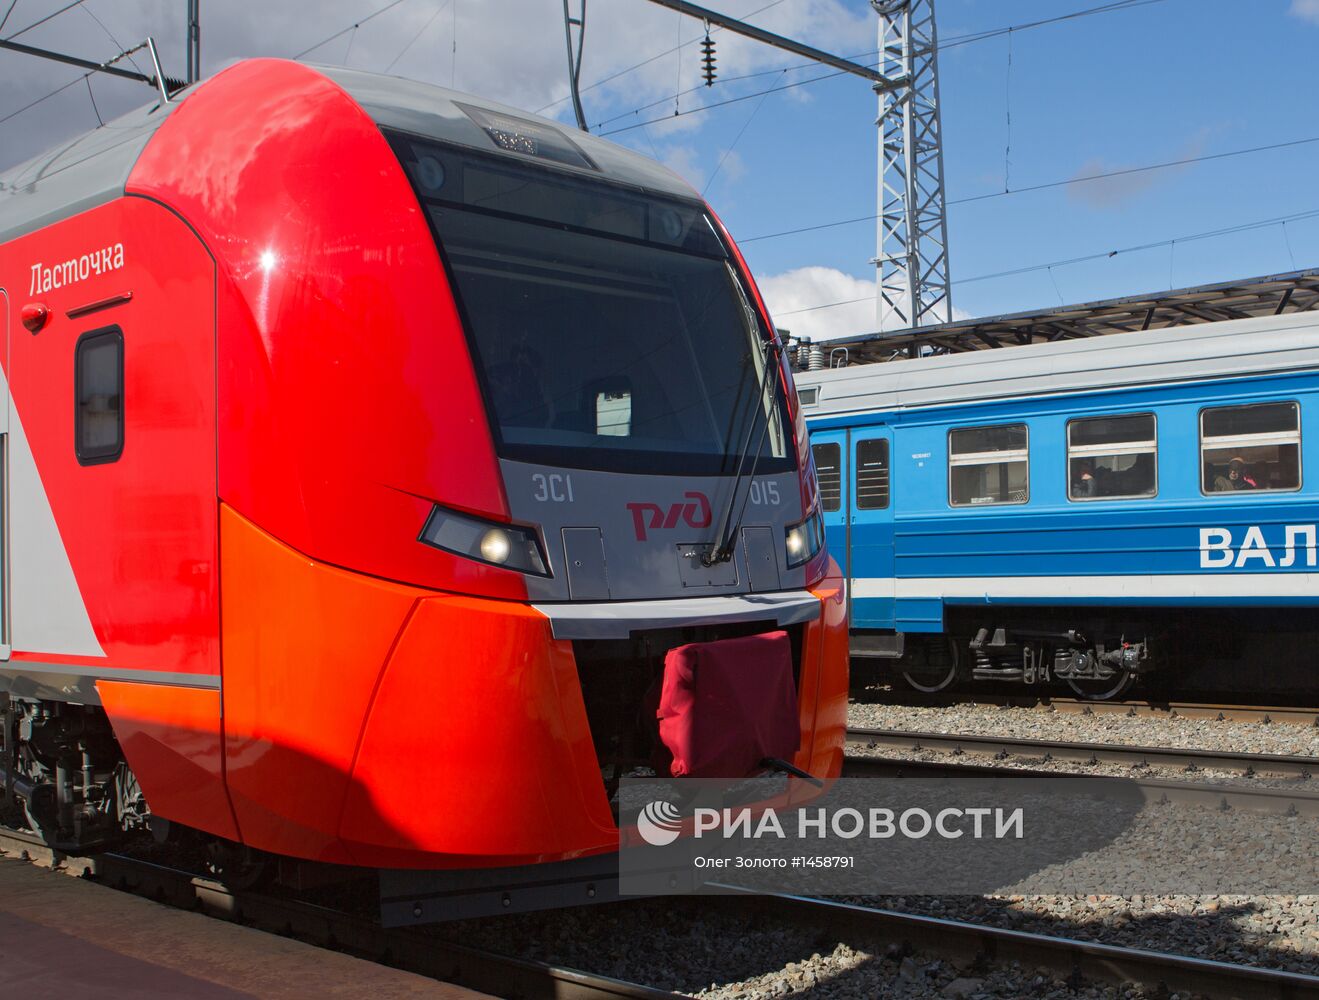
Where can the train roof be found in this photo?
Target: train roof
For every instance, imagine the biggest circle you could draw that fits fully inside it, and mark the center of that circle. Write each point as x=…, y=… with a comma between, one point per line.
x=1266, y=295
x=1244, y=347
x=94, y=168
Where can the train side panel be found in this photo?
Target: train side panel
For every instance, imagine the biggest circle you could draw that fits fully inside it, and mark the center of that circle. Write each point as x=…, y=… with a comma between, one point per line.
x=114, y=560
x=1132, y=552
x=1049, y=557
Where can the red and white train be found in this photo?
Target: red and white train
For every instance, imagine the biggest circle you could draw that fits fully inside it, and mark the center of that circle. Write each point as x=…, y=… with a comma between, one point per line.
x=366, y=448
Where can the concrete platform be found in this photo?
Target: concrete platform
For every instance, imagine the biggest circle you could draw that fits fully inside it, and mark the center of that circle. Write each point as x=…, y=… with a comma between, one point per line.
x=63, y=937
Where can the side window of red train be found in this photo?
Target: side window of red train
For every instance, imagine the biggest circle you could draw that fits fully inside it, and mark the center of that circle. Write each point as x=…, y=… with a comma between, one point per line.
x=98, y=379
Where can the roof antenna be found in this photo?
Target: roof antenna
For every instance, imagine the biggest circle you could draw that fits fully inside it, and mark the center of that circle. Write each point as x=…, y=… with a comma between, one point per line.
x=575, y=61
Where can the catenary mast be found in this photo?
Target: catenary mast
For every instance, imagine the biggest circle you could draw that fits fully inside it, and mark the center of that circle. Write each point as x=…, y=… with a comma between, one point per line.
x=913, y=286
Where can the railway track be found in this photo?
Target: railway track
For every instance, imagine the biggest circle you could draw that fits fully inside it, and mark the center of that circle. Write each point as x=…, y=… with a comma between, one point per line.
x=1288, y=801
x=1247, y=765
x=966, y=943
x=1074, y=960
x=409, y=949
x=1131, y=708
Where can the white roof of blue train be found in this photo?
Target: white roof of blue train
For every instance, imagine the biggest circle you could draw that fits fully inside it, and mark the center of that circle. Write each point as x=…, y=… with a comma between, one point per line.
x=1233, y=348
x=93, y=168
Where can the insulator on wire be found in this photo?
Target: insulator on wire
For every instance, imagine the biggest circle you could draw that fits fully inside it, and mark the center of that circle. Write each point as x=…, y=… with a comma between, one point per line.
x=707, y=59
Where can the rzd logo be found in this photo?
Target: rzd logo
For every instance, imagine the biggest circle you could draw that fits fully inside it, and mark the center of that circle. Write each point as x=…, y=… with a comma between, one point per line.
x=659, y=824
x=694, y=512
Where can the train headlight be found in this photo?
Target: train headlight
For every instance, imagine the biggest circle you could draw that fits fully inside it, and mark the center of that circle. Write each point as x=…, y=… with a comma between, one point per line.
x=505, y=545
x=804, y=539
x=495, y=546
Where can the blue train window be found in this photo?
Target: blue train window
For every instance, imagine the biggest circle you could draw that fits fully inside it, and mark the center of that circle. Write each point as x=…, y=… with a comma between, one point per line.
x=1110, y=458
x=828, y=470
x=1254, y=447
x=988, y=465
x=872, y=477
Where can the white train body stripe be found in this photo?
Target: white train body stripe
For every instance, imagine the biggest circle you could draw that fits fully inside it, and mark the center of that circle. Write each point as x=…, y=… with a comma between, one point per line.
x=1164, y=586
x=47, y=612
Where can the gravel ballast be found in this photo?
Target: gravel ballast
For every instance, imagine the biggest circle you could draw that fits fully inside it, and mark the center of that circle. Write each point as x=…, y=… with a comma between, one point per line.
x=1038, y=724
x=703, y=946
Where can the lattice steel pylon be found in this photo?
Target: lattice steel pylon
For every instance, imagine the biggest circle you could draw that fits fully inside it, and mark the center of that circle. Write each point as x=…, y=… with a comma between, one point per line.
x=913, y=285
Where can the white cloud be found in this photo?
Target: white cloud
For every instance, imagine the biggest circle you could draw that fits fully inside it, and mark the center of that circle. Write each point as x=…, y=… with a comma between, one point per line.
x=683, y=161
x=792, y=298
x=1306, y=10
x=805, y=287
x=734, y=167
x=506, y=50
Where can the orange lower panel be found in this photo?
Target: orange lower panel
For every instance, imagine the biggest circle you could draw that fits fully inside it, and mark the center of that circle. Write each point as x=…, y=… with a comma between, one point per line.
x=478, y=750
x=376, y=724
x=303, y=649
x=171, y=739
x=828, y=635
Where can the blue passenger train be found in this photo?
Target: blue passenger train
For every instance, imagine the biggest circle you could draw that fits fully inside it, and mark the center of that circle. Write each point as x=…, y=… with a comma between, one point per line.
x=1086, y=511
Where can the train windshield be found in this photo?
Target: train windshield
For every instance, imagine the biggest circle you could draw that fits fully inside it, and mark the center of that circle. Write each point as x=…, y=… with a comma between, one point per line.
x=609, y=326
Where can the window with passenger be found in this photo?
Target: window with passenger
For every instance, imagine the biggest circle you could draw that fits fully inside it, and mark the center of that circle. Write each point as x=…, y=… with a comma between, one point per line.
x=1112, y=458
x=1255, y=447
x=988, y=465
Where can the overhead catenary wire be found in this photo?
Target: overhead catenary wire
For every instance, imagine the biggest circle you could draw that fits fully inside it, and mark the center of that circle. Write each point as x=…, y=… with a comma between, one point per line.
x=49, y=17
x=44, y=97
x=733, y=145
x=76, y=80
x=1085, y=258
x=655, y=58
x=1007, y=106
x=352, y=27
x=949, y=42
x=952, y=42
x=417, y=37
x=100, y=122
x=114, y=41
x=1120, y=172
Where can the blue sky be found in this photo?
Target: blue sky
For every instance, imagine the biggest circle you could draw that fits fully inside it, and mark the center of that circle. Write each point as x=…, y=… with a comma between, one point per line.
x=1171, y=80
x=1165, y=80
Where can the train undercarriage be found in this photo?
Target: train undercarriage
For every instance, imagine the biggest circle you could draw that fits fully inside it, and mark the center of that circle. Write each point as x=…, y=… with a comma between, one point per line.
x=1101, y=655
x=63, y=777
x=64, y=780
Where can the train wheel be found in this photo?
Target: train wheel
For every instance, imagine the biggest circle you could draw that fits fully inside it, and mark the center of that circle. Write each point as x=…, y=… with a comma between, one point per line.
x=942, y=669
x=1105, y=690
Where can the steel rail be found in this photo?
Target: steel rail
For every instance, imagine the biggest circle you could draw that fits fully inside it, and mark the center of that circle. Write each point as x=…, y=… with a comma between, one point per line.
x=1132, y=708
x=1223, y=797
x=1247, y=764
x=1072, y=959
x=405, y=948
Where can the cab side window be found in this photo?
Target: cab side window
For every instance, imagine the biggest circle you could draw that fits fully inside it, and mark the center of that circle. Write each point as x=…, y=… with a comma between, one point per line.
x=829, y=474
x=98, y=379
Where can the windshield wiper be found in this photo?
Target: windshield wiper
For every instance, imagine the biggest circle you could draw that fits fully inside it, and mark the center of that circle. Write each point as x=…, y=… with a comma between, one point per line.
x=726, y=536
